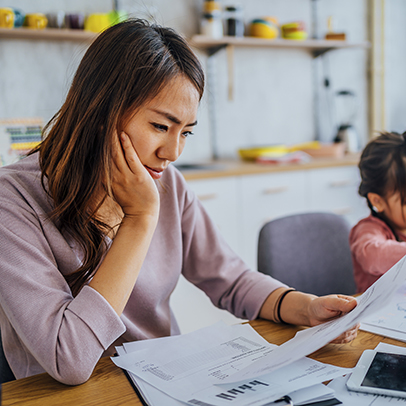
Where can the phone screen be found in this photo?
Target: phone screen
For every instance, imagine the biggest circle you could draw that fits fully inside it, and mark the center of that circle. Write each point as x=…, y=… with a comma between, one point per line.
x=387, y=371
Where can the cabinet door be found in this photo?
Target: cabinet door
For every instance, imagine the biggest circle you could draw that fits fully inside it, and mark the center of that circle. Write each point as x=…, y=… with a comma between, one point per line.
x=266, y=197
x=219, y=197
x=336, y=190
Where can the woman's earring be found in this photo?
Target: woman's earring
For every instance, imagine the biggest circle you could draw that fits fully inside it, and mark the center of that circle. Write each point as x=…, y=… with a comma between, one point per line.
x=374, y=209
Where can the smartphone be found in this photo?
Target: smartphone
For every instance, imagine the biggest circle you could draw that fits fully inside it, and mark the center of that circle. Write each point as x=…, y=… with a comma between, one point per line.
x=381, y=373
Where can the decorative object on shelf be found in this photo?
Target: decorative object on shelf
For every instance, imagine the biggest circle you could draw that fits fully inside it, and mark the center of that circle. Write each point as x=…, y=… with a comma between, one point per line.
x=6, y=17
x=331, y=35
x=347, y=109
x=234, y=21
x=211, y=21
x=36, y=21
x=264, y=27
x=56, y=19
x=97, y=22
x=294, y=30
x=17, y=137
x=75, y=21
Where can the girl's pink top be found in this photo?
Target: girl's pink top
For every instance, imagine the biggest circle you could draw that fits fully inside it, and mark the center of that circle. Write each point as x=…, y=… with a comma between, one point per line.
x=374, y=250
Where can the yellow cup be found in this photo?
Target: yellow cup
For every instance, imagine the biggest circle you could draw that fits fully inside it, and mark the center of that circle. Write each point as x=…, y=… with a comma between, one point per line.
x=37, y=21
x=6, y=17
x=97, y=22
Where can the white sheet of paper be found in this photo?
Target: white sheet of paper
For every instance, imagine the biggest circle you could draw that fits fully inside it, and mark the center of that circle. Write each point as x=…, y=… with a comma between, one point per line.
x=390, y=321
x=307, y=341
x=188, y=367
x=155, y=397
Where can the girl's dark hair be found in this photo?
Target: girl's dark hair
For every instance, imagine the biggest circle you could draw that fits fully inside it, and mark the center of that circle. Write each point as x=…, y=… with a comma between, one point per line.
x=127, y=65
x=383, y=167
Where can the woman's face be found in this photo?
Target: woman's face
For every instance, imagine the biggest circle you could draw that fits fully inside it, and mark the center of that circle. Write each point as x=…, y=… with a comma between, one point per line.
x=159, y=129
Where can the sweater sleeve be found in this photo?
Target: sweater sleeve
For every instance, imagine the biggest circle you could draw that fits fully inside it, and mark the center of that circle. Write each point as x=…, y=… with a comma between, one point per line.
x=212, y=266
x=373, y=247
x=43, y=325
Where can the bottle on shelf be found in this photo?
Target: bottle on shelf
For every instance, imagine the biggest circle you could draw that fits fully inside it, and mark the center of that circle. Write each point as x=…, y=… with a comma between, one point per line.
x=211, y=22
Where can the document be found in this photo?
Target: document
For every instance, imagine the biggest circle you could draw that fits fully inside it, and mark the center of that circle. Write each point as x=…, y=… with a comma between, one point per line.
x=391, y=320
x=190, y=367
x=307, y=341
x=234, y=365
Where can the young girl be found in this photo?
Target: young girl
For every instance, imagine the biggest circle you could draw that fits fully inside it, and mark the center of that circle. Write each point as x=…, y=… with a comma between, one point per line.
x=96, y=226
x=379, y=241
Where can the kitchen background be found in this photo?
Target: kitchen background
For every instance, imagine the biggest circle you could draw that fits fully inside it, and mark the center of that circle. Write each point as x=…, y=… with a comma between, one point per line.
x=274, y=89
x=279, y=97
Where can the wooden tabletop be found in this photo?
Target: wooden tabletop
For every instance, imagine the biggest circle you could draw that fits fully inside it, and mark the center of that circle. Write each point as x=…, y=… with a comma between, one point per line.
x=108, y=386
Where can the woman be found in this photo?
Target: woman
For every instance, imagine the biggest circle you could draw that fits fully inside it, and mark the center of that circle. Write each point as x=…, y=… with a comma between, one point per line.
x=96, y=226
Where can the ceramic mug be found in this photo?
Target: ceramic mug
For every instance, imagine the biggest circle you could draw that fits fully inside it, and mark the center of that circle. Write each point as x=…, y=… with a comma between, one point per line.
x=56, y=20
x=19, y=17
x=75, y=21
x=97, y=22
x=37, y=21
x=6, y=17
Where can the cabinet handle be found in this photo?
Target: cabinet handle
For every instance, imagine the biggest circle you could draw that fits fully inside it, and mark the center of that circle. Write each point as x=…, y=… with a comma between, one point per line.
x=343, y=211
x=209, y=196
x=275, y=190
x=341, y=183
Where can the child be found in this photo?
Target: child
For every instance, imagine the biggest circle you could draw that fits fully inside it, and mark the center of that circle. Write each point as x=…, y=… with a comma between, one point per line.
x=96, y=225
x=379, y=241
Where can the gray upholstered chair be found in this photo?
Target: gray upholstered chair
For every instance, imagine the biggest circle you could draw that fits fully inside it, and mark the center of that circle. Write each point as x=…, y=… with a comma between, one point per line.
x=309, y=252
x=5, y=372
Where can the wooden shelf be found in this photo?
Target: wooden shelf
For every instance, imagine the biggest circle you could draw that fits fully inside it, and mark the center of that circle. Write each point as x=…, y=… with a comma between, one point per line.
x=51, y=34
x=316, y=46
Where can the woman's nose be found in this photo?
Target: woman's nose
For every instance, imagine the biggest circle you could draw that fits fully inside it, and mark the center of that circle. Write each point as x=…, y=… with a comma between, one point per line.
x=171, y=148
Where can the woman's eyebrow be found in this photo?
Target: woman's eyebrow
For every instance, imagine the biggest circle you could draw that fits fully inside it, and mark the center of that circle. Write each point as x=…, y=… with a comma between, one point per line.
x=172, y=118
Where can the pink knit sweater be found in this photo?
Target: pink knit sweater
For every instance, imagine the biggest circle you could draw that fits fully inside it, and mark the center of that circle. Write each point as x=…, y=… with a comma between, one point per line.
x=45, y=328
x=374, y=251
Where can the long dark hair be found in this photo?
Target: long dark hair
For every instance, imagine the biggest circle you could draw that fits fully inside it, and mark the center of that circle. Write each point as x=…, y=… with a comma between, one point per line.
x=383, y=168
x=127, y=65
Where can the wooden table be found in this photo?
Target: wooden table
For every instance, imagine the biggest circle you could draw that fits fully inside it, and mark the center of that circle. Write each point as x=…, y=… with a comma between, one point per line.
x=109, y=386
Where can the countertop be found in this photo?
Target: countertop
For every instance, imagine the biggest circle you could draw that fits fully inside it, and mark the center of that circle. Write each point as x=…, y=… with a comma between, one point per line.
x=225, y=168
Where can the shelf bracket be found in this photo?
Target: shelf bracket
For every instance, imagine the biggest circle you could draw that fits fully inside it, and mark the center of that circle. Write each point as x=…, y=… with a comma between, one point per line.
x=213, y=50
x=319, y=52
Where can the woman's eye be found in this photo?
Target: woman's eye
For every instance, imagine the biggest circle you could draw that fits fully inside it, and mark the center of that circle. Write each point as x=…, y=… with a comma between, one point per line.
x=188, y=133
x=160, y=127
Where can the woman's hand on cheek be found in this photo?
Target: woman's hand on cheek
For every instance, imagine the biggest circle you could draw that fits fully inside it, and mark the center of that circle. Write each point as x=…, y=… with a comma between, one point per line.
x=133, y=187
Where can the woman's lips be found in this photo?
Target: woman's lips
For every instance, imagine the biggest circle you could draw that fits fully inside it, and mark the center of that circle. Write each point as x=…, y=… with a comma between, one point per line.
x=155, y=173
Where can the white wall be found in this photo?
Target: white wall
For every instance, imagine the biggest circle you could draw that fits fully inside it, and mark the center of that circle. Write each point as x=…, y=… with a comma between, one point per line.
x=273, y=101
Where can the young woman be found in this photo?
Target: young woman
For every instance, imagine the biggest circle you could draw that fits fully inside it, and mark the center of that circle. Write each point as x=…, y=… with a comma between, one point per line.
x=379, y=241
x=96, y=226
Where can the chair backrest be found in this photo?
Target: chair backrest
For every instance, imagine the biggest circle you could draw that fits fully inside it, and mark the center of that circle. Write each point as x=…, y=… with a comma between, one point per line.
x=309, y=252
x=6, y=374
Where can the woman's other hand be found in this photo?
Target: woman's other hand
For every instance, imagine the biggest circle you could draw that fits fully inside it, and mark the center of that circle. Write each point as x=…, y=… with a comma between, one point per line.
x=326, y=308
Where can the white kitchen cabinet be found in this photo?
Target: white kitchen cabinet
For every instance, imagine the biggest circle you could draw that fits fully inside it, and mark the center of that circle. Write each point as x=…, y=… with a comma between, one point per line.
x=220, y=197
x=264, y=198
x=336, y=190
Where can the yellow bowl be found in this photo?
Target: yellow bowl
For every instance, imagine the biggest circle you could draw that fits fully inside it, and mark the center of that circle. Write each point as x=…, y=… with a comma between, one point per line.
x=250, y=154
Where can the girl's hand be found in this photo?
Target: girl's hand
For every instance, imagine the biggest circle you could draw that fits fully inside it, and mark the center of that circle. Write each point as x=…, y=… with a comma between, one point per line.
x=325, y=308
x=133, y=187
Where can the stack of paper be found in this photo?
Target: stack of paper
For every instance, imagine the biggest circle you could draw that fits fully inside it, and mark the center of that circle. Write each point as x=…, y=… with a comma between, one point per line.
x=222, y=364
x=191, y=367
